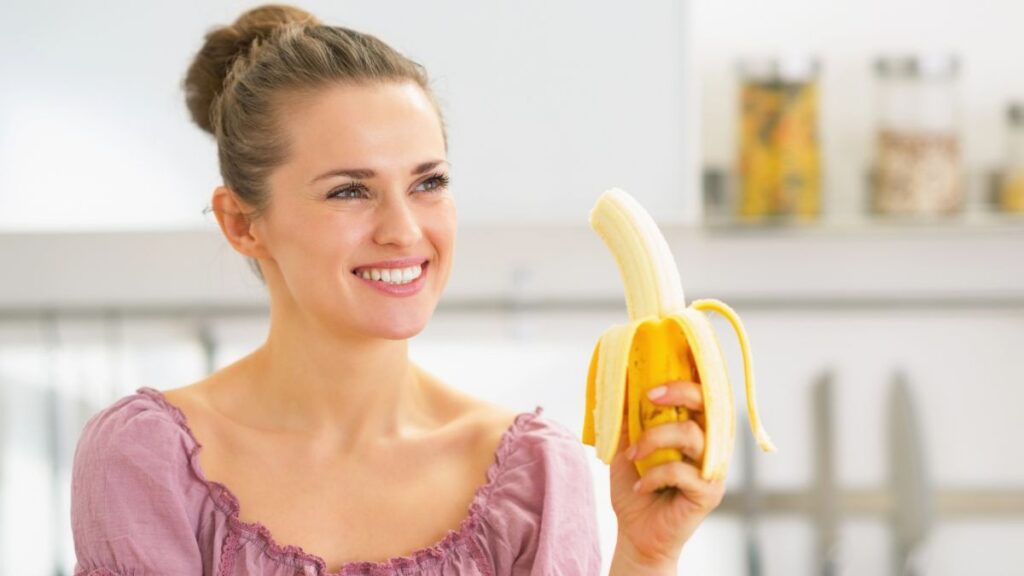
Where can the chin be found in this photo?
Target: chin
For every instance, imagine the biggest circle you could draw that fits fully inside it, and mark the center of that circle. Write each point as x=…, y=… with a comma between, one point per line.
x=403, y=336
x=399, y=332
x=397, y=328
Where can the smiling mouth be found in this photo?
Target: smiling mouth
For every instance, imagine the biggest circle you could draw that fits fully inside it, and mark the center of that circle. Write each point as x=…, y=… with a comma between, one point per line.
x=423, y=269
x=422, y=264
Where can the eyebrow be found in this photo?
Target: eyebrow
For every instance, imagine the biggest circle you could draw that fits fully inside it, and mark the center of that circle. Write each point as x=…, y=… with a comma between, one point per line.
x=367, y=173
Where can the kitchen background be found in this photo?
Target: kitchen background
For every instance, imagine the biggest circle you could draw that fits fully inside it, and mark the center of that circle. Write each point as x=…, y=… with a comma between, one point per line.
x=881, y=283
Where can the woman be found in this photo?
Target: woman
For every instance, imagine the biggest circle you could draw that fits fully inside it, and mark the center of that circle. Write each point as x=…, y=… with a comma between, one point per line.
x=326, y=449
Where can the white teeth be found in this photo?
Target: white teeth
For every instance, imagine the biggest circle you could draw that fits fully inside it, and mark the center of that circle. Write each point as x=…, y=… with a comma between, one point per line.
x=392, y=276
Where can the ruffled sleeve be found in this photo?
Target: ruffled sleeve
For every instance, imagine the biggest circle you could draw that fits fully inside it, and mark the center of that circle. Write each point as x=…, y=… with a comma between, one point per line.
x=542, y=511
x=129, y=513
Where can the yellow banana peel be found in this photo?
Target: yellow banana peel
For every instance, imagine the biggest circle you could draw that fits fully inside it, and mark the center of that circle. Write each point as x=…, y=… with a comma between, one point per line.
x=665, y=340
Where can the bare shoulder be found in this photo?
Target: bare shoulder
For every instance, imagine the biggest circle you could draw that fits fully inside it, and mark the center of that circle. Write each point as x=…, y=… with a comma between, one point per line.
x=182, y=396
x=482, y=420
x=190, y=398
x=487, y=426
x=193, y=402
x=495, y=421
x=196, y=398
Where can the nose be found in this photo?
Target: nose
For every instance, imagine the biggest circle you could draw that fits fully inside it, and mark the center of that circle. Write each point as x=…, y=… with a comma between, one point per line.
x=397, y=223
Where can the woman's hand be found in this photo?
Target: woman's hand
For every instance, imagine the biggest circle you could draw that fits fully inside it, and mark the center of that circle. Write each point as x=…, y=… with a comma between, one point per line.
x=654, y=524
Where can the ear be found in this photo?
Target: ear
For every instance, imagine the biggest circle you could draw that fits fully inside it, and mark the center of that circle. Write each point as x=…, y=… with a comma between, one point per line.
x=232, y=216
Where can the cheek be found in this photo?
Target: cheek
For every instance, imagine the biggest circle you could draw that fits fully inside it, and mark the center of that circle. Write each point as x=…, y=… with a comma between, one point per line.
x=321, y=242
x=444, y=222
x=441, y=232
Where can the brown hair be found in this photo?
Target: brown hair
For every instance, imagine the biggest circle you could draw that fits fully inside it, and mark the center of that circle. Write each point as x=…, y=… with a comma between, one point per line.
x=236, y=85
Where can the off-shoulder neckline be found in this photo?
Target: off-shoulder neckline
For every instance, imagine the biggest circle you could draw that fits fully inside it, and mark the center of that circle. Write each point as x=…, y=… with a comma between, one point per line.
x=295, y=555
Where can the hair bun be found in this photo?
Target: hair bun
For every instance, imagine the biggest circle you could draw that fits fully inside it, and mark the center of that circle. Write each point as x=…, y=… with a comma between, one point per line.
x=205, y=77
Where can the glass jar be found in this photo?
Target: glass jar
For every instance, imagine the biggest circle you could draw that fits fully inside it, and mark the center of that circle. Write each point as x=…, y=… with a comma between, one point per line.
x=918, y=159
x=779, y=160
x=1011, y=191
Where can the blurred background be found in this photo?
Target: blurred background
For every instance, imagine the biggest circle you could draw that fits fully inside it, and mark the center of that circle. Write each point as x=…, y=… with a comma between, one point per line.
x=848, y=176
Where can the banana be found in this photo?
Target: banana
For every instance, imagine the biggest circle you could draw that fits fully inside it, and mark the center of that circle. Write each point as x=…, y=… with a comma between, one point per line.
x=664, y=340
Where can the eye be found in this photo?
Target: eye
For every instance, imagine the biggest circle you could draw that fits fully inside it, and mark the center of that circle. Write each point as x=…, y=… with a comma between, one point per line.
x=341, y=192
x=439, y=180
x=437, y=183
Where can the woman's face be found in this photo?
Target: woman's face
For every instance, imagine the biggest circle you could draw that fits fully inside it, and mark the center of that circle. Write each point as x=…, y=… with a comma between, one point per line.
x=323, y=225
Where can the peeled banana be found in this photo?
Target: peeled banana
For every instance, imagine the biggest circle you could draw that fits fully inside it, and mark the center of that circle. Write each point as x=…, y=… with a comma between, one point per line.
x=665, y=340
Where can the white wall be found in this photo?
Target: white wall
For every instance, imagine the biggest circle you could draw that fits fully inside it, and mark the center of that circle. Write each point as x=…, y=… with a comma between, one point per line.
x=548, y=104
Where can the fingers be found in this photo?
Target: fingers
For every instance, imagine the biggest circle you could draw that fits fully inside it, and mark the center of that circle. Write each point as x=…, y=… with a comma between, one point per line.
x=687, y=479
x=686, y=436
x=698, y=417
x=678, y=393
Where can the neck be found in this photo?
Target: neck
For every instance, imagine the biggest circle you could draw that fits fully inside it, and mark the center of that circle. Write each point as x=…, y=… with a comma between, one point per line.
x=343, y=390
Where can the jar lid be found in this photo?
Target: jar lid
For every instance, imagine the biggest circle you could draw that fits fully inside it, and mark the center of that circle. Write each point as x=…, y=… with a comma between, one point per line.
x=761, y=68
x=1015, y=112
x=798, y=68
x=937, y=65
x=917, y=66
x=893, y=66
x=786, y=68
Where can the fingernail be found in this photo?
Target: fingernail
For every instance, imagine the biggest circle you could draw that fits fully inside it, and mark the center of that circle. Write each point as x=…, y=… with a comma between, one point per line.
x=636, y=487
x=631, y=452
x=658, y=392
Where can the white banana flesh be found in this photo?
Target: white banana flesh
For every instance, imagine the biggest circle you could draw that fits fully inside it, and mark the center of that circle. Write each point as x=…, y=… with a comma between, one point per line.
x=664, y=340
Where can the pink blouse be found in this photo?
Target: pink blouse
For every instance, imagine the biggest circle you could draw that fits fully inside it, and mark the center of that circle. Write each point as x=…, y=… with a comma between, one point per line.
x=140, y=504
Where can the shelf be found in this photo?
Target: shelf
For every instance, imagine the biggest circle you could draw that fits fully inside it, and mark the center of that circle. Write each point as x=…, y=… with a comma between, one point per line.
x=520, y=267
x=950, y=503
x=968, y=223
